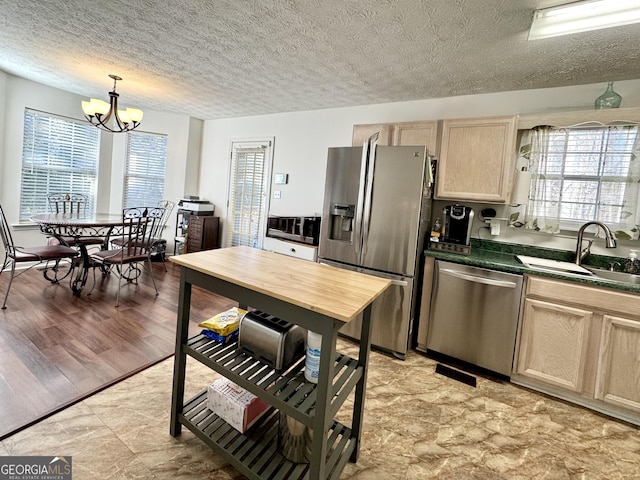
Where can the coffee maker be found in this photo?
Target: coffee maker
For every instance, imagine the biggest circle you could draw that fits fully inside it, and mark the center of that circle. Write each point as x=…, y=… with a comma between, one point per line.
x=456, y=230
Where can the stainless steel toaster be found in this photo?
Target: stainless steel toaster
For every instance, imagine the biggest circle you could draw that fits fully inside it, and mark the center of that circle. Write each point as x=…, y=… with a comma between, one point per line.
x=272, y=340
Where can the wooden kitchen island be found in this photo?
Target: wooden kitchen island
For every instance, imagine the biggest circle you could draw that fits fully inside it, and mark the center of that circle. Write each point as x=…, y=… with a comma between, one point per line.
x=314, y=296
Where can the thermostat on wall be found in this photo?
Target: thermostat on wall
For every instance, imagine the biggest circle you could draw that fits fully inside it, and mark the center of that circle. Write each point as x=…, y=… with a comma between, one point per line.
x=280, y=178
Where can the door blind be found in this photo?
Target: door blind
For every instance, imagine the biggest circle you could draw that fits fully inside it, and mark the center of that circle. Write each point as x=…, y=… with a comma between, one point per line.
x=247, y=194
x=59, y=155
x=145, y=169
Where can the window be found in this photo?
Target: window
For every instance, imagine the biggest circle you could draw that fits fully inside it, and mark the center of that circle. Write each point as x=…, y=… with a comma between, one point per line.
x=59, y=155
x=582, y=174
x=145, y=169
x=248, y=190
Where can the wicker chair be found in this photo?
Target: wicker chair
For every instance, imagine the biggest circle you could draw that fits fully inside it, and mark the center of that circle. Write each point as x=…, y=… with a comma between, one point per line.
x=142, y=228
x=14, y=254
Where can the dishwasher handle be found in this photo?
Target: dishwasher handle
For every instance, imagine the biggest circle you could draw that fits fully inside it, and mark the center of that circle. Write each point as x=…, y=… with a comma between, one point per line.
x=476, y=279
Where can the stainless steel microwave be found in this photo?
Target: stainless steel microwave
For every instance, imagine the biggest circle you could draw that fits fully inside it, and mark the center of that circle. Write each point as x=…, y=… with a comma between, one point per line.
x=297, y=229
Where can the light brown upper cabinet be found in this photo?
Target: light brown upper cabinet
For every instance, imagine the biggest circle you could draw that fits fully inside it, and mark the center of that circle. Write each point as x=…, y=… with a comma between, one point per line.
x=417, y=133
x=362, y=132
x=477, y=158
x=404, y=133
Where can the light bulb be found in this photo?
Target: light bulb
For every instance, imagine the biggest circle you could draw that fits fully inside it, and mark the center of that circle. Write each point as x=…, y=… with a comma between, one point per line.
x=87, y=108
x=135, y=114
x=100, y=106
x=124, y=116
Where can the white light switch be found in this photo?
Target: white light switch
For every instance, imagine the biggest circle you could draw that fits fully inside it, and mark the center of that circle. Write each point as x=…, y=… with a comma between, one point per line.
x=276, y=194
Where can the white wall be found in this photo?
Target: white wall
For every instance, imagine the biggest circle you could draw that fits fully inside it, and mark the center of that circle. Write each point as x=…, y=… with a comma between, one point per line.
x=16, y=94
x=302, y=139
x=301, y=142
x=3, y=115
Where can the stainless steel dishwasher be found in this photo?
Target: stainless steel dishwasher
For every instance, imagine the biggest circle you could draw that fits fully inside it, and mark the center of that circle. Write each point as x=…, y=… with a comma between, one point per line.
x=474, y=315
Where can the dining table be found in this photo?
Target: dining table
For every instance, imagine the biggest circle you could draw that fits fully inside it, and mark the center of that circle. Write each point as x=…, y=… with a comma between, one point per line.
x=72, y=230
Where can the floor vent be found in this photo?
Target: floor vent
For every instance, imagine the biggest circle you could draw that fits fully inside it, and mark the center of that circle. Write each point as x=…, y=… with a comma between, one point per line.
x=456, y=375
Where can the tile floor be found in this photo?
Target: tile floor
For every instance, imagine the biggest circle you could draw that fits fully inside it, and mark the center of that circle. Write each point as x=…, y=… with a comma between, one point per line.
x=418, y=425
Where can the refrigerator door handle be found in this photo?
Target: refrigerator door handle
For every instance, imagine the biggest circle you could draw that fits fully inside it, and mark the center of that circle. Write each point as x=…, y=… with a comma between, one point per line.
x=367, y=200
x=358, y=220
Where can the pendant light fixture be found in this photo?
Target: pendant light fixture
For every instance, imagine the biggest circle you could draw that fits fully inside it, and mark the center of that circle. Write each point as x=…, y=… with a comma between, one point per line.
x=99, y=113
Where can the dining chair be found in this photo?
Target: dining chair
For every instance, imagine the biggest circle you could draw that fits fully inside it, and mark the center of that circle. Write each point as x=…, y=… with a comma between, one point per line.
x=73, y=205
x=141, y=228
x=14, y=254
x=158, y=244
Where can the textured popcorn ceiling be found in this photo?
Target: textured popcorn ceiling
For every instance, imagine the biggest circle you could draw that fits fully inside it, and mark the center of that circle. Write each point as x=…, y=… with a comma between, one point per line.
x=227, y=58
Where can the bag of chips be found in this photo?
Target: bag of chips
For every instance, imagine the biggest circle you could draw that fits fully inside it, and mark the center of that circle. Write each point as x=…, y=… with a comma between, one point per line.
x=223, y=326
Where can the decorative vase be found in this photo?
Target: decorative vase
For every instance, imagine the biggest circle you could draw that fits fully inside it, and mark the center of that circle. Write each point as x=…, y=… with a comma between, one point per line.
x=609, y=99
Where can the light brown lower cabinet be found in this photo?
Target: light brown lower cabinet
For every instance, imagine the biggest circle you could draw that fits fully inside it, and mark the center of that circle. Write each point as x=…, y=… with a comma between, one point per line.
x=618, y=378
x=582, y=344
x=553, y=344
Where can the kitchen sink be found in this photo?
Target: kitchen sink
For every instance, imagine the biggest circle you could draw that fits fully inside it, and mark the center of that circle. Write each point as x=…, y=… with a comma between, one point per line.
x=616, y=276
x=568, y=268
x=554, y=266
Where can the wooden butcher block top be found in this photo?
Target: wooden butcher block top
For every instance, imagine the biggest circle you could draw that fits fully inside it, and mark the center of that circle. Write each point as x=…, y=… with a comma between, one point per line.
x=338, y=293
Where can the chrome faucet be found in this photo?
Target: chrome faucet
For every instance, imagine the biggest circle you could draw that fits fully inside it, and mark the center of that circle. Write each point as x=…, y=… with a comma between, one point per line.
x=609, y=237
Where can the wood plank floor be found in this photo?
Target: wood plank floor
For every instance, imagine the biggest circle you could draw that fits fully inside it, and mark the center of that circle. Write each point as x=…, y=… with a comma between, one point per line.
x=56, y=349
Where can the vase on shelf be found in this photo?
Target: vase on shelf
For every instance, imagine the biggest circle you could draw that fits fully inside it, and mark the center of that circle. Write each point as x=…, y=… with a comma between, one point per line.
x=609, y=99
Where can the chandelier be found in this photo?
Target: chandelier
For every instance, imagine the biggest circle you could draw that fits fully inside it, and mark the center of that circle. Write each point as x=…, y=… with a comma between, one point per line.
x=99, y=112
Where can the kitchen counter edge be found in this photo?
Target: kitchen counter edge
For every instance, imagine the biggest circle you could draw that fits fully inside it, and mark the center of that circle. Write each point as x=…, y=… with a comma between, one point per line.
x=507, y=262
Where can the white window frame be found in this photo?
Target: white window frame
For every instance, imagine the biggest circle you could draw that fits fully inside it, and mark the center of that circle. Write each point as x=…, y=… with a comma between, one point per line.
x=252, y=231
x=150, y=170
x=64, y=153
x=574, y=223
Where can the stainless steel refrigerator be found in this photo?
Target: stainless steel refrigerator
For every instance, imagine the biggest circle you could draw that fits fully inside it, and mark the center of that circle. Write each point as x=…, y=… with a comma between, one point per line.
x=377, y=207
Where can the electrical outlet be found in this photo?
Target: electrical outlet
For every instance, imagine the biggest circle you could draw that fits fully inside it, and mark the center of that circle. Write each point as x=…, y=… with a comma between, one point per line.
x=277, y=194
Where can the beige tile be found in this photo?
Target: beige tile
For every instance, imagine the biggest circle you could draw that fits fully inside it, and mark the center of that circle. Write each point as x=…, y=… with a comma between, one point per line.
x=72, y=429
x=417, y=425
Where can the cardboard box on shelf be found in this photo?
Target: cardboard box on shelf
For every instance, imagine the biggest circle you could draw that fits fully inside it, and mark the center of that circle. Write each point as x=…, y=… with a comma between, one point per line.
x=237, y=406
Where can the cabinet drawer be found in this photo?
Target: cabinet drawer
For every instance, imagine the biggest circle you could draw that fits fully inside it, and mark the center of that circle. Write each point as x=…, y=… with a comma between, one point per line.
x=597, y=298
x=291, y=249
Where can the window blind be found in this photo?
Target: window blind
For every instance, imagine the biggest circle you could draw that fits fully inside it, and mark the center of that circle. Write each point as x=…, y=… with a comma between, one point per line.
x=145, y=169
x=59, y=155
x=247, y=194
x=587, y=171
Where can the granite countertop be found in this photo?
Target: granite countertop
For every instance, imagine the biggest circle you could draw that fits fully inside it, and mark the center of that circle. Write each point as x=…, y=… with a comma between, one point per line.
x=502, y=257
